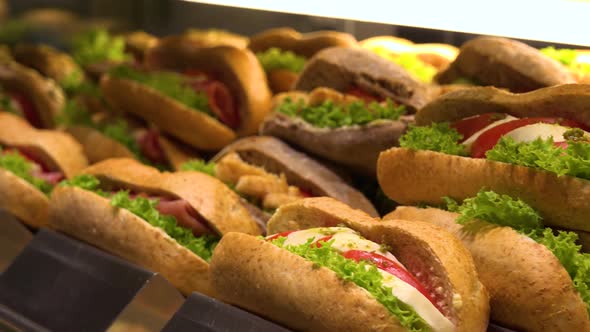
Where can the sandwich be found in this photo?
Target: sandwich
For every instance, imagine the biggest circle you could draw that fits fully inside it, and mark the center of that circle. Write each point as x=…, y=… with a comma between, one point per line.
x=211, y=94
x=36, y=98
x=268, y=173
x=328, y=267
x=504, y=63
x=283, y=52
x=577, y=61
x=352, y=108
x=157, y=220
x=538, y=278
x=32, y=162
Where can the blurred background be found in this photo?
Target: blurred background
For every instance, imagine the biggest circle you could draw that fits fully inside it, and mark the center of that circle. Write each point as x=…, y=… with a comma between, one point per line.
x=53, y=21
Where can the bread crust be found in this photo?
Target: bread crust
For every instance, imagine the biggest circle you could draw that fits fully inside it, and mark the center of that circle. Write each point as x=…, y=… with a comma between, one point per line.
x=529, y=288
x=342, y=68
x=413, y=177
x=238, y=69
x=23, y=200
x=449, y=262
x=47, y=60
x=300, y=170
x=188, y=125
x=44, y=93
x=505, y=63
x=98, y=147
x=58, y=150
x=217, y=37
x=281, y=80
x=213, y=200
x=307, y=44
x=92, y=218
x=569, y=101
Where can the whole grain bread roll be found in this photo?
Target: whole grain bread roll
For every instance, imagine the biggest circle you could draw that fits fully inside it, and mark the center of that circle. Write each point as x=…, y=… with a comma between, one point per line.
x=530, y=290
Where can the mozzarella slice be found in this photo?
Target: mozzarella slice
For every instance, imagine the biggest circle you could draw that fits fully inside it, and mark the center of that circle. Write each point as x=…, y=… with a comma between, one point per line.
x=468, y=142
x=346, y=239
x=531, y=132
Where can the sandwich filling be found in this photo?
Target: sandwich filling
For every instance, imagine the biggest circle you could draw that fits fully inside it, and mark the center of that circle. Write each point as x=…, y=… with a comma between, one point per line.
x=552, y=144
x=568, y=58
x=143, y=144
x=98, y=46
x=372, y=267
x=21, y=105
x=194, y=89
x=23, y=164
x=504, y=210
x=175, y=216
x=257, y=185
x=329, y=114
x=275, y=59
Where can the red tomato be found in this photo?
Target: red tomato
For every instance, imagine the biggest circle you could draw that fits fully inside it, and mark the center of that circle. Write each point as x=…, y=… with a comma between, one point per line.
x=28, y=108
x=490, y=138
x=364, y=95
x=306, y=193
x=318, y=243
x=562, y=145
x=469, y=126
x=278, y=235
x=390, y=266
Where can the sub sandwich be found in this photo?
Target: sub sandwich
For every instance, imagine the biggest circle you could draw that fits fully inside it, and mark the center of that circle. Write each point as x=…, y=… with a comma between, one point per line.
x=32, y=162
x=283, y=52
x=269, y=173
x=328, y=267
x=533, y=146
x=537, y=278
x=352, y=107
x=157, y=220
x=504, y=63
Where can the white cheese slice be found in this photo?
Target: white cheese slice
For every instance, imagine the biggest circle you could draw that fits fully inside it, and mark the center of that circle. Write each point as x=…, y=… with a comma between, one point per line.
x=531, y=132
x=346, y=239
x=468, y=142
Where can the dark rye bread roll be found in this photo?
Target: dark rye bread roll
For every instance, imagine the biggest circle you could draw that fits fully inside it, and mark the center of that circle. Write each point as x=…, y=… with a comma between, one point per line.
x=505, y=63
x=304, y=296
x=344, y=68
x=301, y=171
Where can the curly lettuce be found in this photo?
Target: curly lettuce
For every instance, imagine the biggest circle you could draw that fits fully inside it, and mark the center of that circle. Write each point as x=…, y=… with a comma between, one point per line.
x=330, y=115
x=274, y=58
x=363, y=274
x=145, y=208
x=543, y=154
x=566, y=57
x=439, y=137
x=169, y=84
x=504, y=210
x=199, y=165
x=98, y=45
x=18, y=165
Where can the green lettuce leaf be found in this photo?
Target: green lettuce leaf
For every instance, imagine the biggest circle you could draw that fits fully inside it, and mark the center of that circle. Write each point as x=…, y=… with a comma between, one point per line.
x=275, y=58
x=503, y=210
x=566, y=57
x=170, y=84
x=21, y=167
x=439, y=137
x=98, y=45
x=6, y=103
x=363, y=274
x=330, y=115
x=543, y=154
x=74, y=115
x=199, y=165
x=145, y=208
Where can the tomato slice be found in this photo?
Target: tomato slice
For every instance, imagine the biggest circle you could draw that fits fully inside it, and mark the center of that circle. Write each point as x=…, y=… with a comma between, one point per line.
x=469, y=126
x=364, y=95
x=390, y=266
x=488, y=139
x=318, y=242
x=219, y=98
x=278, y=235
x=28, y=108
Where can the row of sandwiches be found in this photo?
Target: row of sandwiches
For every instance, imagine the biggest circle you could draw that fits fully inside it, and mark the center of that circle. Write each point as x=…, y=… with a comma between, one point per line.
x=254, y=170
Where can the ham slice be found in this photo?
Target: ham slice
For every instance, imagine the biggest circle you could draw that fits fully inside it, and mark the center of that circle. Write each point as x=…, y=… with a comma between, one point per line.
x=40, y=170
x=185, y=215
x=221, y=102
x=27, y=109
x=51, y=177
x=149, y=145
